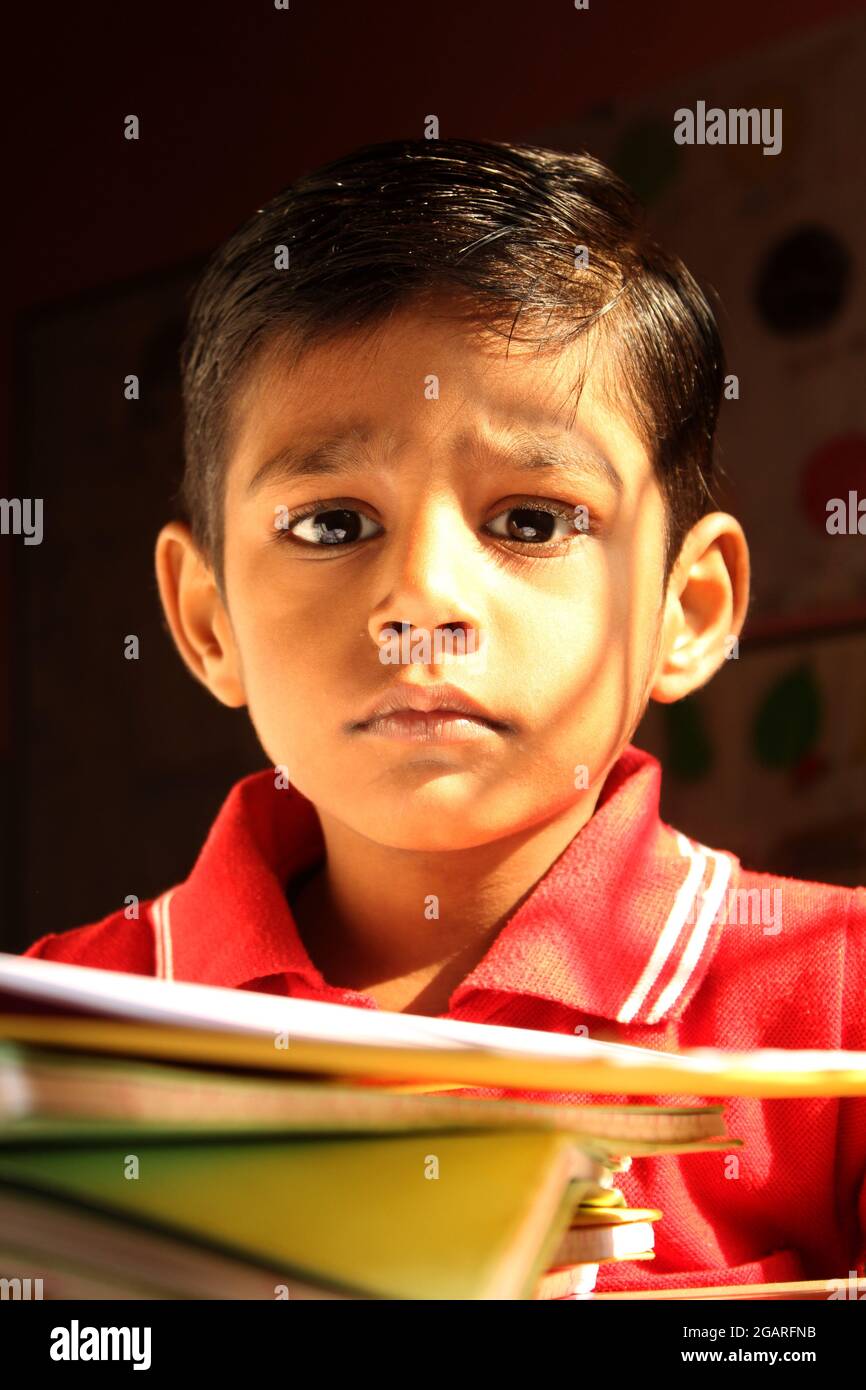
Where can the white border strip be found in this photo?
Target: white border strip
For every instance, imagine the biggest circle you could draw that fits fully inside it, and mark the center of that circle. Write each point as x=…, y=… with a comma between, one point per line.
x=162, y=931
x=671, y=930
x=698, y=939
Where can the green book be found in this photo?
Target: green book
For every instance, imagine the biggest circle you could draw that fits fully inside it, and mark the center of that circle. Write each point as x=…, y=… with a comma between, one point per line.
x=59, y=1096
x=422, y=1216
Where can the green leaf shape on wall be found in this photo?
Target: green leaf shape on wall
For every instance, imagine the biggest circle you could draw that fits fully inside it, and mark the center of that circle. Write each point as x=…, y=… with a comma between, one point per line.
x=690, y=754
x=789, y=719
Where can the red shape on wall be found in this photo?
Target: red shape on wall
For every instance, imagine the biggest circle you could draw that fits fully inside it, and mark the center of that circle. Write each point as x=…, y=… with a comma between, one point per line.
x=834, y=468
x=812, y=767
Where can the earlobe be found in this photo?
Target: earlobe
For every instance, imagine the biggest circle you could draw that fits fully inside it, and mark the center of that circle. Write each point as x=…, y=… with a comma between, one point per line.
x=706, y=606
x=676, y=673
x=196, y=614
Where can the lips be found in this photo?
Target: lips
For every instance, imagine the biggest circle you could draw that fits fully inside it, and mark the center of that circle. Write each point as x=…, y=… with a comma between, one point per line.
x=430, y=699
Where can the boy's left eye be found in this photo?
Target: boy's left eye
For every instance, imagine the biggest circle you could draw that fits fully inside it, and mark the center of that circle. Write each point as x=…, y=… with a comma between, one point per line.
x=531, y=523
x=535, y=525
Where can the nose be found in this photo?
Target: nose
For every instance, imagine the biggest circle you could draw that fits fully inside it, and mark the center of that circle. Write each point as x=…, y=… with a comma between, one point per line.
x=432, y=584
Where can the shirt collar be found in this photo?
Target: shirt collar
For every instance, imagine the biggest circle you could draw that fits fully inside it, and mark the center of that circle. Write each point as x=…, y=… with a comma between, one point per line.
x=622, y=926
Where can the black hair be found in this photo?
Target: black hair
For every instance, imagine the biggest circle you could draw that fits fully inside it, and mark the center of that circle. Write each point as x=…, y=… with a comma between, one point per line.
x=495, y=226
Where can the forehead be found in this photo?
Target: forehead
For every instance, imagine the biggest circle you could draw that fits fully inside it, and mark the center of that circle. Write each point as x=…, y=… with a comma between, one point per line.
x=430, y=379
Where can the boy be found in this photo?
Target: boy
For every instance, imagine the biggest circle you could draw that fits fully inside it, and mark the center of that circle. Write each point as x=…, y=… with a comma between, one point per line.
x=383, y=456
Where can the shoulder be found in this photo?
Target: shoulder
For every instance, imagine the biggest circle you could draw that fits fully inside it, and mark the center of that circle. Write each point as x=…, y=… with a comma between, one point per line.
x=117, y=942
x=794, y=951
x=799, y=906
x=855, y=970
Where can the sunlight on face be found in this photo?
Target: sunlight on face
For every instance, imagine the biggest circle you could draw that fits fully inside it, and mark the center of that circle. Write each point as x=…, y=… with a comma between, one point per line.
x=434, y=511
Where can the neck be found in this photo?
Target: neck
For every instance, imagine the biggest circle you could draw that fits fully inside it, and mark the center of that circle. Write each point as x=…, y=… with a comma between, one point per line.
x=408, y=926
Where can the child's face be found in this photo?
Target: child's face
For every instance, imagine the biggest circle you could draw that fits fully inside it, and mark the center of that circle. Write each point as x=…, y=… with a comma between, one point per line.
x=570, y=626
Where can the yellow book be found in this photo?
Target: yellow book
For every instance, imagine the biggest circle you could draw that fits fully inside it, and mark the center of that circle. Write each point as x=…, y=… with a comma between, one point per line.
x=432, y=1216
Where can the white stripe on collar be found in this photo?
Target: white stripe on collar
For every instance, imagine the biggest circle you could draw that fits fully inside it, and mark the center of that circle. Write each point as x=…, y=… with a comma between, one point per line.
x=682, y=906
x=693, y=950
x=161, y=918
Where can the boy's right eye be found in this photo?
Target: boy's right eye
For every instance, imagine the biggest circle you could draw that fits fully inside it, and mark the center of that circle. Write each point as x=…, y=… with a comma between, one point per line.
x=335, y=526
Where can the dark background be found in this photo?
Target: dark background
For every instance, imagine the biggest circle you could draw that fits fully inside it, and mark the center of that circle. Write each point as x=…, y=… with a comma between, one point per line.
x=111, y=771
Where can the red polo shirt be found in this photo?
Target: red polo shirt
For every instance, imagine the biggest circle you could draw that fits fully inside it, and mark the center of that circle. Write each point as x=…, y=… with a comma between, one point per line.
x=636, y=932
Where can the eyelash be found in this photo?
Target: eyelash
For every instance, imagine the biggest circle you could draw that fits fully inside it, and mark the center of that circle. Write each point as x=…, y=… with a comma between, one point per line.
x=563, y=509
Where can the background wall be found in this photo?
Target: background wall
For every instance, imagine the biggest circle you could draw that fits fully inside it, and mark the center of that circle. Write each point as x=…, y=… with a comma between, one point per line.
x=769, y=759
x=108, y=782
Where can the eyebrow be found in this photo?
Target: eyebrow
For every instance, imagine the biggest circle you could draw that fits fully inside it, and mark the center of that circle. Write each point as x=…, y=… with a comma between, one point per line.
x=521, y=451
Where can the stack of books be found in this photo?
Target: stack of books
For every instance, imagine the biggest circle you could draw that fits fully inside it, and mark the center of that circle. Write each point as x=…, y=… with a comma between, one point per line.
x=165, y=1140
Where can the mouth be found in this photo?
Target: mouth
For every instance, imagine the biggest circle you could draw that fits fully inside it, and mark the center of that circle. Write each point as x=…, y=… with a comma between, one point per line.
x=430, y=714
x=437, y=726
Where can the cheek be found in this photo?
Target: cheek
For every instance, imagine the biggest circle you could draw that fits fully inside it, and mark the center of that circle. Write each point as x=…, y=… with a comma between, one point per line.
x=301, y=653
x=583, y=660
x=286, y=617
x=563, y=640
x=290, y=665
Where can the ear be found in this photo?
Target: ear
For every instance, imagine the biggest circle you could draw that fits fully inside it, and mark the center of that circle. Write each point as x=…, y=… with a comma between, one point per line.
x=706, y=604
x=196, y=614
